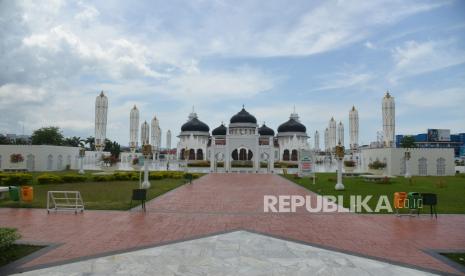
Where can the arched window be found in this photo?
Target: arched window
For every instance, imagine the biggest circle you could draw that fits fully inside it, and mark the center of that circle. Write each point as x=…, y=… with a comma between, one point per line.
x=422, y=166
x=286, y=155
x=49, y=162
x=403, y=167
x=181, y=154
x=191, y=154
x=235, y=155
x=242, y=154
x=441, y=166
x=68, y=161
x=199, y=154
x=249, y=155
x=0, y=161
x=60, y=162
x=294, y=155
x=30, y=164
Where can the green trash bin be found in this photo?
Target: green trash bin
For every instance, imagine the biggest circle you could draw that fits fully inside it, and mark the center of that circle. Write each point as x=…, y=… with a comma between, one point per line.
x=414, y=200
x=14, y=193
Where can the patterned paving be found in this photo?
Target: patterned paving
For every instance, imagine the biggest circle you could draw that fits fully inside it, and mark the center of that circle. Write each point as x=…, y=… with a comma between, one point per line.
x=220, y=203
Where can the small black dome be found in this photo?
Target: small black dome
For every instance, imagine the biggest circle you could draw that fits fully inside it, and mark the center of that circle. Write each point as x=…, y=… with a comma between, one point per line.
x=243, y=117
x=221, y=130
x=292, y=126
x=265, y=131
x=195, y=125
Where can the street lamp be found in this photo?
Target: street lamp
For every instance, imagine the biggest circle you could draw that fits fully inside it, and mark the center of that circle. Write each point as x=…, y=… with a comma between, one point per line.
x=146, y=151
x=340, y=156
x=407, y=164
x=82, y=153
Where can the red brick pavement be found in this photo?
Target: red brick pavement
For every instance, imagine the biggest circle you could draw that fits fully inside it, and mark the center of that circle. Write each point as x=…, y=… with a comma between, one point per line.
x=220, y=202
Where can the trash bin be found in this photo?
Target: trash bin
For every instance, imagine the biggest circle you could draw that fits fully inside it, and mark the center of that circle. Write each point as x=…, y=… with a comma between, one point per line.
x=27, y=193
x=414, y=200
x=14, y=193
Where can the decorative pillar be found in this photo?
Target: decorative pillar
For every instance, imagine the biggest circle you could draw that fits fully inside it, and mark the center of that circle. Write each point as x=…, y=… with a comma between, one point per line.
x=146, y=151
x=340, y=156
x=82, y=153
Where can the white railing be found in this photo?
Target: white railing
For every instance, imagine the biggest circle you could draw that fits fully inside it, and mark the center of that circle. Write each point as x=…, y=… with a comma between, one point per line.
x=64, y=201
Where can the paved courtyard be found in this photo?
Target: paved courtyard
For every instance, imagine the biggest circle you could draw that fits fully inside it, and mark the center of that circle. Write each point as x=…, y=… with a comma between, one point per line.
x=220, y=203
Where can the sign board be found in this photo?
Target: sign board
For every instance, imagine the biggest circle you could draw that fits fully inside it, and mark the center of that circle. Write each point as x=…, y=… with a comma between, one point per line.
x=306, y=163
x=438, y=135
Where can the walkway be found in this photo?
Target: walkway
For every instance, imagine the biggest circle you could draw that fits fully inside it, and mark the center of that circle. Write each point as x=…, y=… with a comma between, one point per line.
x=222, y=203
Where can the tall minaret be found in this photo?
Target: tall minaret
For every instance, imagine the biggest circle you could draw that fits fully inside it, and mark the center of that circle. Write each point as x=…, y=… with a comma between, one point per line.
x=327, y=146
x=389, y=120
x=340, y=133
x=144, y=134
x=156, y=137
x=133, y=128
x=317, y=141
x=332, y=134
x=101, y=110
x=353, y=128
x=168, y=139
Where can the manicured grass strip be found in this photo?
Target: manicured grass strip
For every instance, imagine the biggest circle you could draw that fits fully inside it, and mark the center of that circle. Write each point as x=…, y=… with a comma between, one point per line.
x=456, y=257
x=115, y=195
x=450, y=189
x=16, y=252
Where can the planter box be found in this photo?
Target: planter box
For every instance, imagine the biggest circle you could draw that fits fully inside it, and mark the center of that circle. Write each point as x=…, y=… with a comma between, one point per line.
x=349, y=169
x=376, y=172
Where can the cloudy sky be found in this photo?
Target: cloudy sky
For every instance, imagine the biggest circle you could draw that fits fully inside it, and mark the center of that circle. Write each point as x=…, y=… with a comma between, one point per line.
x=167, y=56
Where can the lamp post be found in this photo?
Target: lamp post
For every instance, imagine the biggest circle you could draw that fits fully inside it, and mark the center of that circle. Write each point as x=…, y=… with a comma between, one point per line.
x=339, y=155
x=407, y=164
x=82, y=153
x=146, y=151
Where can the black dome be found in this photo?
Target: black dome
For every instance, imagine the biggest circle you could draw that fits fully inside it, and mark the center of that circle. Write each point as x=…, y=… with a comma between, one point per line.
x=221, y=130
x=292, y=126
x=195, y=125
x=266, y=131
x=243, y=117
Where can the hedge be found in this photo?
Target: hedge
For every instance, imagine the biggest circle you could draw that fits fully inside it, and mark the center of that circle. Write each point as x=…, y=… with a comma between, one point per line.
x=47, y=178
x=7, y=237
x=72, y=178
x=15, y=179
x=103, y=178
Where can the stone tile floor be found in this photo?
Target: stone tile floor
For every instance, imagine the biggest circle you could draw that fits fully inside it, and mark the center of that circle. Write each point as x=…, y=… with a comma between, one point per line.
x=236, y=253
x=225, y=202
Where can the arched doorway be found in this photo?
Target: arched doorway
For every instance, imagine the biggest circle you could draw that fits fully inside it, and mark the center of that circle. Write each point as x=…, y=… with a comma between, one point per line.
x=422, y=166
x=60, y=163
x=441, y=166
x=235, y=155
x=294, y=155
x=49, y=162
x=191, y=154
x=242, y=154
x=286, y=155
x=199, y=154
x=30, y=164
x=182, y=154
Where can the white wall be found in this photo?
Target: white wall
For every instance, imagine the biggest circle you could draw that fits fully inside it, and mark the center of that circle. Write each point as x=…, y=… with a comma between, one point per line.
x=394, y=158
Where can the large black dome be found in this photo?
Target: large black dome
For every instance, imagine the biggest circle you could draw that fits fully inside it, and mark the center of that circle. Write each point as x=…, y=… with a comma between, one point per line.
x=265, y=131
x=243, y=117
x=195, y=125
x=292, y=126
x=221, y=130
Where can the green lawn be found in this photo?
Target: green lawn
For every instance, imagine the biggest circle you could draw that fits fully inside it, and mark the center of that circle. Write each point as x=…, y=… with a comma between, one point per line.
x=114, y=195
x=450, y=189
x=16, y=252
x=456, y=257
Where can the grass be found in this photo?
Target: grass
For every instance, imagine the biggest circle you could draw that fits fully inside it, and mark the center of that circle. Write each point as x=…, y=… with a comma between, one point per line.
x=114, y=195
x=450, y=189
x=16, y=252
x=456, y=257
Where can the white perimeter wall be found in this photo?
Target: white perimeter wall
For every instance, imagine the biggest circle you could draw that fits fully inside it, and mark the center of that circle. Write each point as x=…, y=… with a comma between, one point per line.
x=394, y=158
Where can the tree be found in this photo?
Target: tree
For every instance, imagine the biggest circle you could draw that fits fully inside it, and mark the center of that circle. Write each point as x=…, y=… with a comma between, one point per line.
x=408, y=142
x=113, y=147
x=47, y=136
x=4, y=140
x=74, y=141
x=91, y=142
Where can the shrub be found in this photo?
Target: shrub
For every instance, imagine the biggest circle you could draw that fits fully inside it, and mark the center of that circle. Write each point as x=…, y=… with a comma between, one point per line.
x=126, y=176
x=47, y=178
x=72, y=178
x=195, y=175
x=156, y=176
x=103, y=178
x=15, y=179
x=349, y=163
x=199, y=163
x=376, y=165
x=16, y=158
x=7, y=237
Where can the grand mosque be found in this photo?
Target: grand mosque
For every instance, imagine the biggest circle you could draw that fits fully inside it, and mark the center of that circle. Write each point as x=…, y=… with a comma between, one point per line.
x=242, y=142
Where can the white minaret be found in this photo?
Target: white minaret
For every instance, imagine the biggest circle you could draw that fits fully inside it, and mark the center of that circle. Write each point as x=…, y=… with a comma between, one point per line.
x=317, y=141
x=332, y=134
x=340, y=133
x=168, y=142
x=144, y=133
x=327, y=146
x=101, y=110
x=133, y=128
x=156, y=137
x=389, y=120
x=353, y=128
